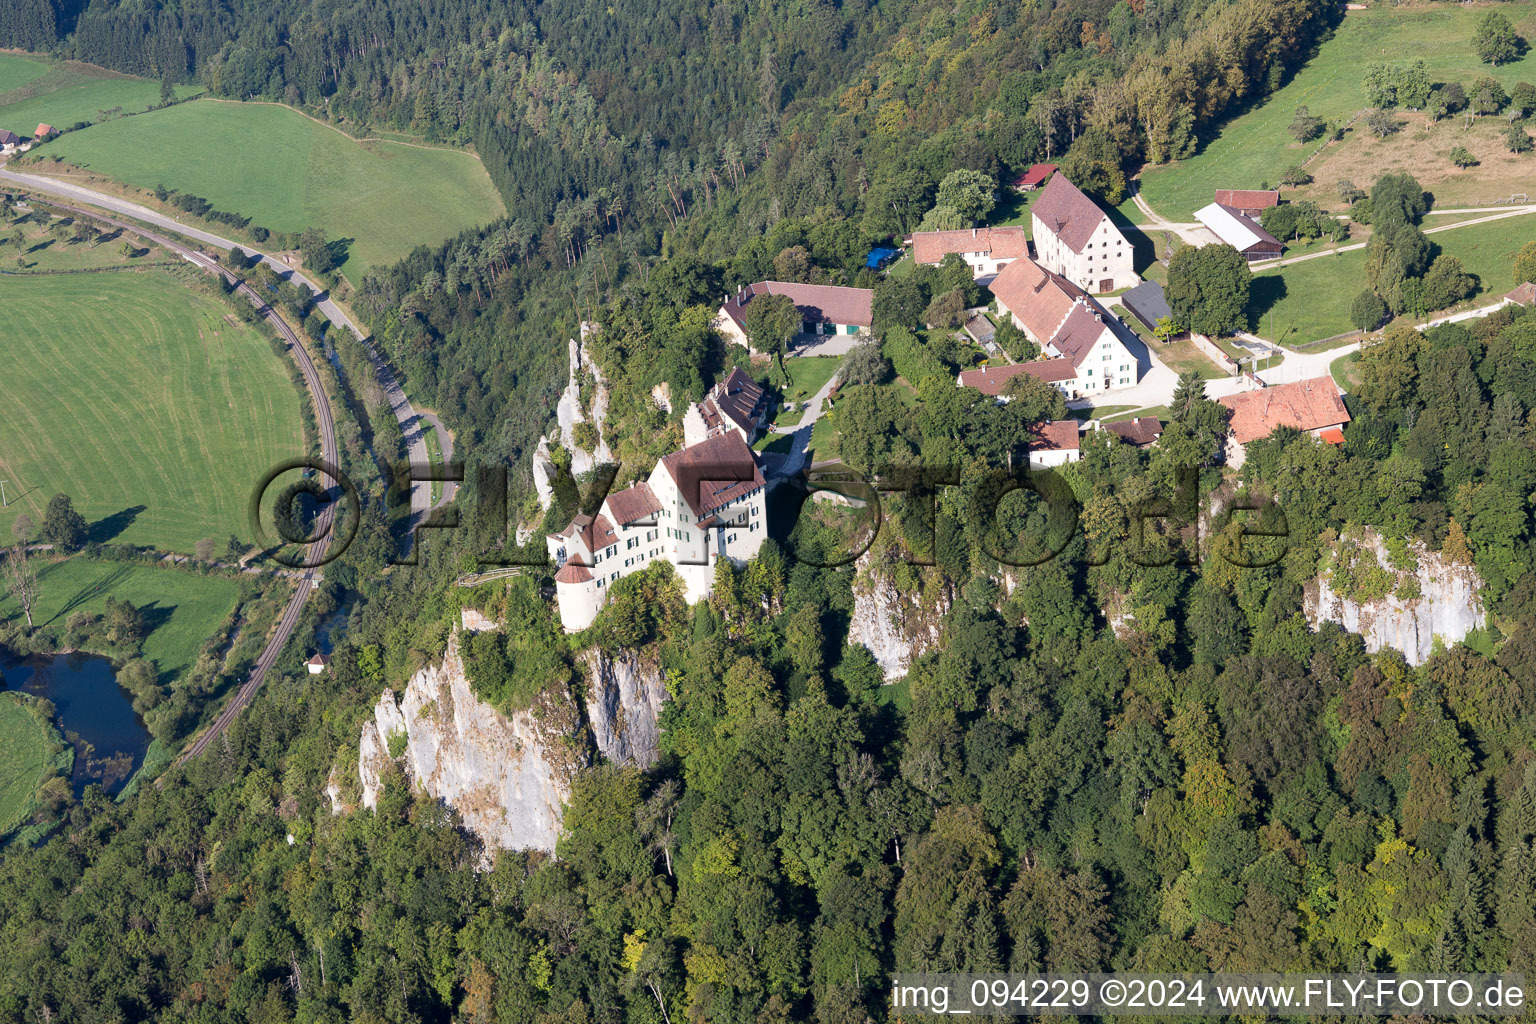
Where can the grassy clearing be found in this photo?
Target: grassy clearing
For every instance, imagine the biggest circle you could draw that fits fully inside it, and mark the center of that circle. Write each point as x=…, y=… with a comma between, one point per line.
x=1160, y=411
x=1309, y=301
x=386, y=197
x=807, y=375
x=146, y=402
x=1182, y=357
x=184, y=608
x=1343, y=371
x=35, y=89
x=1255, y=147
x=30, y=753
x=43, y=248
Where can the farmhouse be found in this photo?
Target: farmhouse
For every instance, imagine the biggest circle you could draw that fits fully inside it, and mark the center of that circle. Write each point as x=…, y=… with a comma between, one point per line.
x=1240, y=231
x=985, y=250
x=993, y=380
x=317, y=664
x=1250, y=202
x=1066, y=323
x=44, y=133
x=824, y=309
x=1034, y=177
x=1314, y=406
x=8, y=140
x=738, y=403
x=1076, y=239
x=699, y=504
x=1143, y=431
x=1147, y=303
x=1054, y=444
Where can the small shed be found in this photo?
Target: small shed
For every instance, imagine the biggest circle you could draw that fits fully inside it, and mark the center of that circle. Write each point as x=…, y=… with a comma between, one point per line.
x=318, y=663
x=8, y=137
x=44, y=132
x=1034, y=177
x=1147, y=303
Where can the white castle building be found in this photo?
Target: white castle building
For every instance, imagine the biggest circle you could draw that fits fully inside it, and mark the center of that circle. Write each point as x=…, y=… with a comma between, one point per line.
x=699, y=504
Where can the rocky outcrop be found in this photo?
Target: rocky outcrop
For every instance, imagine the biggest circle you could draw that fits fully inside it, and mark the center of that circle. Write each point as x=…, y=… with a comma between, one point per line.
x=508, y=777
x=1448, y=604
x=896, y=627
x=569, y=412
x=624, y=698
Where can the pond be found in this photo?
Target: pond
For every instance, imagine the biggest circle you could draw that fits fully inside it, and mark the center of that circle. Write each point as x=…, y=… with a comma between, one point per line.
x=93, y=712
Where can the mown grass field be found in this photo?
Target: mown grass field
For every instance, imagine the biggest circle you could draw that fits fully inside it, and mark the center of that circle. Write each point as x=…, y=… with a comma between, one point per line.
x=26, y=759
x=288, y=172
x=36, y=89
x=184, y=608
x=143, y=400
x=1255, y=147
x=1310, y=301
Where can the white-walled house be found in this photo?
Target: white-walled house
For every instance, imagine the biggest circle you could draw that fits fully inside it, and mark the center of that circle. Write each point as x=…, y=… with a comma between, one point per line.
x=1067, y=323
x=824, y=309
x=1075, y=238
x=698, y=504
x=985, y=250
x=737, y=403
x=1054, y=444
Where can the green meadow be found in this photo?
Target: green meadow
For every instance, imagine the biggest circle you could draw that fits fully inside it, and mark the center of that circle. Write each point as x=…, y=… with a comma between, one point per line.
x=147, y=402
x=35, y=89
x=288, y=172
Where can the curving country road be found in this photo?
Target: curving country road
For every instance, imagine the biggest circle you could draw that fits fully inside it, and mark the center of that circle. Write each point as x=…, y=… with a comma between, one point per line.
x=412, y=423
x=328, y=451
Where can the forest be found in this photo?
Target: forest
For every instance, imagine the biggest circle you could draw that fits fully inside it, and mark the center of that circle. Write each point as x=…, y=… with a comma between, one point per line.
x=1106, y=761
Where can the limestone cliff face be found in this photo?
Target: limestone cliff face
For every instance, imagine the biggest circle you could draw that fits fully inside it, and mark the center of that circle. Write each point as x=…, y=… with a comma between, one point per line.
x=1448, y=604
x=624, y=698
x=511, y=777
x=508, y=777
x=897, y=627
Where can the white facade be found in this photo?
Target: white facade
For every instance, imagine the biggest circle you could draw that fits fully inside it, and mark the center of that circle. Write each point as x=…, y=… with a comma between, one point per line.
x=1105, y=263
x=596, y=553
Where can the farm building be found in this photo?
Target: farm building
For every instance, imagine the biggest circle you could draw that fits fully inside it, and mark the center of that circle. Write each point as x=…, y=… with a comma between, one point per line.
x=1250, y=202
x=1314, y=406
x=993, y=380
x=1054, y=444
x=699, y=504
x=1147, y=303
x=1241, y=232
x=8, y=140
x=985, y=250
x=44, y=132
x=1076, y=239
x=1067, y=323
x=317, y=664
x=1034, y=177
x=1142, y=431
x=824, y=309
x=737, y=403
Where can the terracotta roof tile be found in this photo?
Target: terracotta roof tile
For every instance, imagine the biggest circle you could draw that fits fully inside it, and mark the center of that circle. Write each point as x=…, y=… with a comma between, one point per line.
x=1067, y=212
x=993, y=380
x=714, y=472
x=633, y=504
x=1141, y=431
x=1039, y=298
x=572, y=572
x=1006, y=243
x=818, y=303
x=1055, y=436
x=1248, y=198
x=1303, y=404
x=1035, y=175
x=738, y=399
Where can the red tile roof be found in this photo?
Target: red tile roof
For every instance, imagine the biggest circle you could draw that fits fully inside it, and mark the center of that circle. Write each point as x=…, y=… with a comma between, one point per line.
x=1248, y=198
x=714, y=473
x=43, y=131
x=633, y=504
x=1141, y=431
x=1055, y=436
x=1067, y=213
x=572, y=572
x=1005, y=243
x=1333, y=435
x=818, y=303
x=1040, y=299
x=1303, y=404
x=1084, y=327
x=1034, y=176
x=993, y=380
x=738, y=398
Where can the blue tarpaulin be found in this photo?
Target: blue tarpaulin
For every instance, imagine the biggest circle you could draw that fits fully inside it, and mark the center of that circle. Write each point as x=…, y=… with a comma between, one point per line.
x=879, y=257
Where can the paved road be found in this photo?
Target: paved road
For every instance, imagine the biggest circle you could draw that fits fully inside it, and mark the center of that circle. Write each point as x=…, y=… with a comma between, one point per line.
x=789, y=464
x=409, y=419
x=328, y=451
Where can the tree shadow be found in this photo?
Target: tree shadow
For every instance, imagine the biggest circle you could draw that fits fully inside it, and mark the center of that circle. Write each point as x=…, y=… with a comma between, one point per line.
x=103, y=530
x=1266, y=293
x=341, y=249
x=44, y=244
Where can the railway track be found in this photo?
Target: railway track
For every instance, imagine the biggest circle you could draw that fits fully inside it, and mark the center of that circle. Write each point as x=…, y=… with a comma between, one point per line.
x=328, y=451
